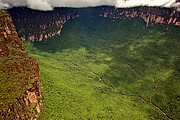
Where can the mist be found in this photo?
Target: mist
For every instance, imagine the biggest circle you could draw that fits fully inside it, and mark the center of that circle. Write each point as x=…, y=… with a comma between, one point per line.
x=50, y=4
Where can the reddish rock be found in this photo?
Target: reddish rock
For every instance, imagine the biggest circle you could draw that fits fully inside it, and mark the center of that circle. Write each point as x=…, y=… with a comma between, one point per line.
x=20, y=74
x=150, y=15
x=177, y=23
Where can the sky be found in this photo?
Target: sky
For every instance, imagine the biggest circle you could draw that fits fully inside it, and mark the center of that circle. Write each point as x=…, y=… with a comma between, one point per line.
x=50, y=4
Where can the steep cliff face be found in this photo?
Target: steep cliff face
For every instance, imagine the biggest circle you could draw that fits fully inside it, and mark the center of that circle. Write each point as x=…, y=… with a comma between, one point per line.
x=33, y=25
x=151, y=15
x=20, y=96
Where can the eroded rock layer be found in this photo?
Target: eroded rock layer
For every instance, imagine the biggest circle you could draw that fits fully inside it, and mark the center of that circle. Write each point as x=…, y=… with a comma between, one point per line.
x=33, y=25
x=20, y=95
x=151, y=15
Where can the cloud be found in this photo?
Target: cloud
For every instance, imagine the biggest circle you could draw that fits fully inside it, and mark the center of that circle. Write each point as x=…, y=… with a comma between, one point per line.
x=176, y=5
x=132, y=3
x=3, y=5
x=39, y=4
x=81, y=3
x=50, y=4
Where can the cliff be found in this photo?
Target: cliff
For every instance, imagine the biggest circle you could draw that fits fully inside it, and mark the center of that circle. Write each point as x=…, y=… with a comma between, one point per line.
x=20, y=95
x=34, y=25
x=151, y=15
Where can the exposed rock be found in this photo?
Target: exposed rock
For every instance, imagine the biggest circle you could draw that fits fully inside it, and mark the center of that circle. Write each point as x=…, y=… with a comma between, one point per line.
x=20, y=96
x=41, y=25
x=150, y=15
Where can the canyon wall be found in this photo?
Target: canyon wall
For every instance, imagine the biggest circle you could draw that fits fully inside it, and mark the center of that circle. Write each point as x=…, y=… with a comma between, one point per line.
x=33, y=25
x=20, y=96
x=151, y=15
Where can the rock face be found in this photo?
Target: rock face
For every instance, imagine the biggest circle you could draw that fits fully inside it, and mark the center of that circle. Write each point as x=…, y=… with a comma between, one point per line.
x=33, y=25
x=151, y=15
x=20, y=96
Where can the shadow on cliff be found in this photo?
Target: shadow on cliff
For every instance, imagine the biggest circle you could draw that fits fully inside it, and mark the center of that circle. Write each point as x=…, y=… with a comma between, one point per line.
x=78, y=32
x=90, y=31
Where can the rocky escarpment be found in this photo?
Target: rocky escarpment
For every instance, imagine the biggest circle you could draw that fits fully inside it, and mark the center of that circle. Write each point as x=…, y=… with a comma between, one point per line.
x=20, y=96
x=33, y=25
x=151, y=15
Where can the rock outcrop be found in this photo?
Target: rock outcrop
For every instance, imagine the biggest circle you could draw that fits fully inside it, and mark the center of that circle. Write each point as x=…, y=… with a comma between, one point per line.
x=33, y=25
x=151, y=15
x=20, y=96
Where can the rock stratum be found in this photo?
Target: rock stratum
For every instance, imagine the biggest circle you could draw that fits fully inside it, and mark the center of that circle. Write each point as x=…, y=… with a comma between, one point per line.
x=34, y=25
x=150, y=15
x=20, y=96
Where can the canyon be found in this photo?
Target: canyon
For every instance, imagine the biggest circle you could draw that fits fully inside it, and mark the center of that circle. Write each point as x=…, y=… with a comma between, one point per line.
x=95, y=63
x=34, y=25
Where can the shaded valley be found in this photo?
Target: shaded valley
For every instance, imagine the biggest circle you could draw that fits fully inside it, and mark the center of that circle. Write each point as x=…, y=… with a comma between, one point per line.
x=101, y=68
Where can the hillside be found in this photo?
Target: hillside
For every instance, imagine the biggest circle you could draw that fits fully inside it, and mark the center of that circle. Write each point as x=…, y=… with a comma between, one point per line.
x=101, y=68
x=20, y=95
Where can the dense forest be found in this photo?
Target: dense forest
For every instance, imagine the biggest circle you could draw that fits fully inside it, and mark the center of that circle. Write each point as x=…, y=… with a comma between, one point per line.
x=101, y=68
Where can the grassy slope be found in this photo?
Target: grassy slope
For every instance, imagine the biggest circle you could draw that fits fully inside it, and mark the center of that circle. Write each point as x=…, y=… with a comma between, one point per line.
x=100, y=69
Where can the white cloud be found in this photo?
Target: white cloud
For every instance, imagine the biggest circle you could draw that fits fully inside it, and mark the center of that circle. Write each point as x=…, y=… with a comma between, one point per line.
x=177, y=5
x=131, y=3
x=39, y=4
x=80, y=3
x=3, y=5
x=50, y=4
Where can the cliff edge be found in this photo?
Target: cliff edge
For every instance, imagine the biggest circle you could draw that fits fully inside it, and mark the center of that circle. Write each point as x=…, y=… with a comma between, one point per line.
x=20, y=95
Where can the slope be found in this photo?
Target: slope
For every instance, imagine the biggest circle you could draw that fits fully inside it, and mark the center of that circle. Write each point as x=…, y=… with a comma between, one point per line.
x=20, y=96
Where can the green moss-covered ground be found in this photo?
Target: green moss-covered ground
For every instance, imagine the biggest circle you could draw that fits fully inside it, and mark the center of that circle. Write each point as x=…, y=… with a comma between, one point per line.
x=104, y=69
x=18, y=74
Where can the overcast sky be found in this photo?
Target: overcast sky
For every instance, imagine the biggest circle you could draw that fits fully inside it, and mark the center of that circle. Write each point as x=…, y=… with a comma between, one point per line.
x=50, y=4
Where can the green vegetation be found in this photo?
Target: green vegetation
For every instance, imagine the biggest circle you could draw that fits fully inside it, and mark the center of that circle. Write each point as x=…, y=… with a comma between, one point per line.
x=109, y=69
x=18, y=74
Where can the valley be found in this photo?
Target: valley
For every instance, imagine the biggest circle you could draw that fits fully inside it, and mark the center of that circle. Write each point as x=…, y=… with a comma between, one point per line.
x=101, y=68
